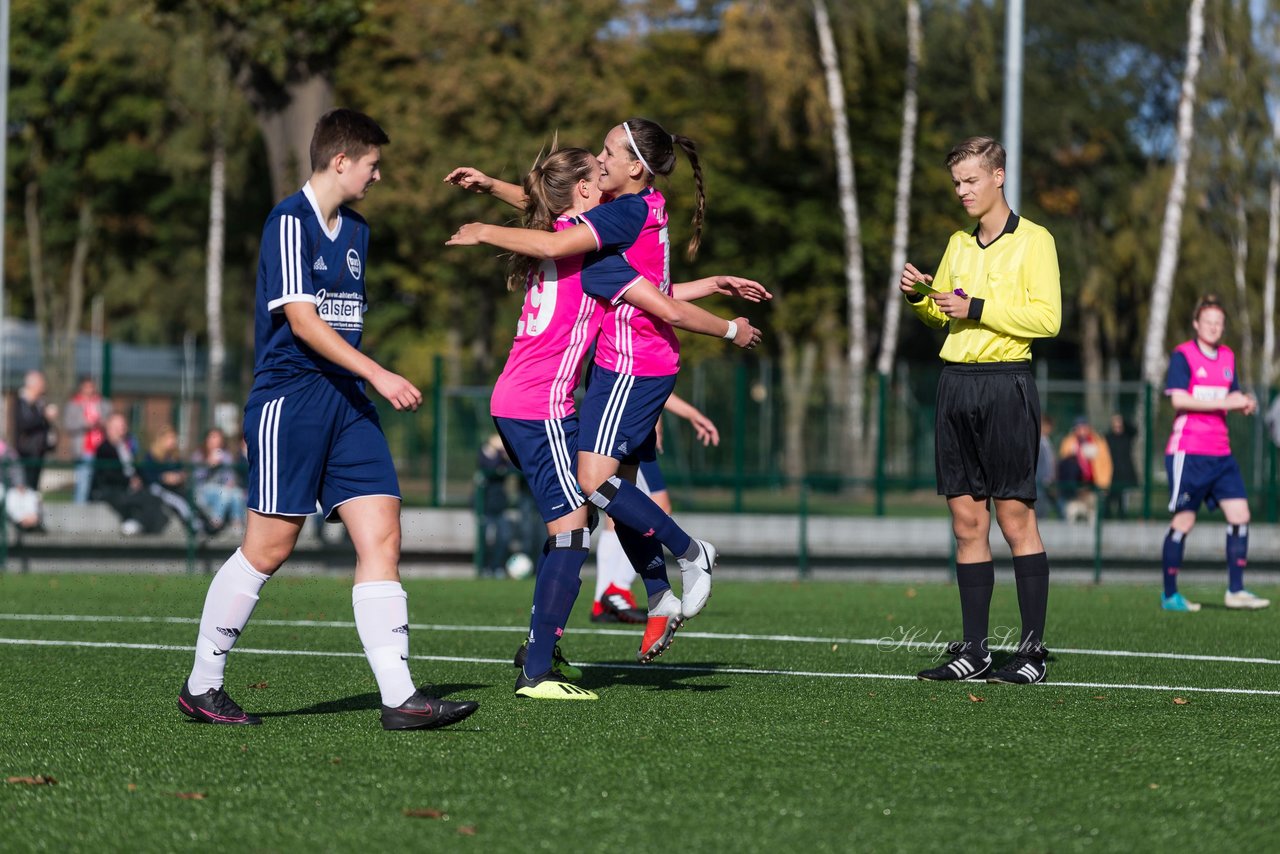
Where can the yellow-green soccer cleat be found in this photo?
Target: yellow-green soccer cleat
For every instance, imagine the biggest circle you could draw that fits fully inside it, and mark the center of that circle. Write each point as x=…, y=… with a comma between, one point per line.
x=551, y=685
x=558, y=662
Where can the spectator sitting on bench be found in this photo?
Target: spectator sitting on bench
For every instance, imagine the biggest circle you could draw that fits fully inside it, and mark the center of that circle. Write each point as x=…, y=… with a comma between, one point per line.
x=217, y=481
x=165, y=477
x=21, y=504
x=116, y=481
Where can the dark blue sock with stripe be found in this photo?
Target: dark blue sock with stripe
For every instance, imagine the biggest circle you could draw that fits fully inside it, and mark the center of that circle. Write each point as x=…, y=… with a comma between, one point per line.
x=627, y=503
x=554, y=592
x=1174, y=543
x=1237, y=556
x=645, y=555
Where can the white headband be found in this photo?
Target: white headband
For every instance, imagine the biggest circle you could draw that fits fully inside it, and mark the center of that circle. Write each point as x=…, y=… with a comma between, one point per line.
x=631, y=139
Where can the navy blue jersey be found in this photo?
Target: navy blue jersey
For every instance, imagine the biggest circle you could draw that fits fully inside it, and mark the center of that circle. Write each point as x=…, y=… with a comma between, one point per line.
x=300, y=261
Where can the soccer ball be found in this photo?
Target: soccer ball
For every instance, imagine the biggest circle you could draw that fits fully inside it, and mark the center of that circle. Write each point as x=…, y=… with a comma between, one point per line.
x=519, y=566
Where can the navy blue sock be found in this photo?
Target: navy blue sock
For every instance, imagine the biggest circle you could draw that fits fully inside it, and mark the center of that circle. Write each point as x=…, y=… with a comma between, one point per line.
x=626, y=503
x=645, y=554
x=976, y=582
x=1031, y=572
x=554, y=593
x=1237, y=556
x=1174, y=543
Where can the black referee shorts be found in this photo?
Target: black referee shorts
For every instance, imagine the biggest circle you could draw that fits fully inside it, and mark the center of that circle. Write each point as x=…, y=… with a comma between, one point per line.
x=987, y=430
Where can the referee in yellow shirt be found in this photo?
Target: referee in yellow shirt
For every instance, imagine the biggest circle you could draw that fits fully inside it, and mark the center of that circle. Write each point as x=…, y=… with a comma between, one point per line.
x=996, y=289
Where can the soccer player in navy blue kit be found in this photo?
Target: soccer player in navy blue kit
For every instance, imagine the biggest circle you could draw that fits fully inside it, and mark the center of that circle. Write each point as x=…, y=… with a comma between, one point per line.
x=313, y=436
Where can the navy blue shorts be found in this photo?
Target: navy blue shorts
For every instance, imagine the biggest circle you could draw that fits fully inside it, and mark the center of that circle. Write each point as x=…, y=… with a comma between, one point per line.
x=1196, y=478
x=314, y=445
x=547, y=452
x=650, y=477
x=619, y=413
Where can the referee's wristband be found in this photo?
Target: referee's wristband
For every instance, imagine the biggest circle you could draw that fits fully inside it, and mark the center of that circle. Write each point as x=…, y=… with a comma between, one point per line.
x=733, y=331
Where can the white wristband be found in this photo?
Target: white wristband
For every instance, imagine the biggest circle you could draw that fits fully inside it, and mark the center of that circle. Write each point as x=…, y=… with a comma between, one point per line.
x=733, y=331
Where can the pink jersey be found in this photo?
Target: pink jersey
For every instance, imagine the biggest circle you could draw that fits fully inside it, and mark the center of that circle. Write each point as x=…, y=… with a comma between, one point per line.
x=557, y=324
x=1204, y=378
x=633, y=342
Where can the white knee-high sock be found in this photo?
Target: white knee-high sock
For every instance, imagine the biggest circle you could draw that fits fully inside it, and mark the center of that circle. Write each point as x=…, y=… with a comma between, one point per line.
x=612, y=566
x=232, y=595
x=382, y=619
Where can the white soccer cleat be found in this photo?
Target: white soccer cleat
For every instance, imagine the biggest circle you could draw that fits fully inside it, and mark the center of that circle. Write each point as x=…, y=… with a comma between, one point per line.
x=695, y=579
x=1243, y=600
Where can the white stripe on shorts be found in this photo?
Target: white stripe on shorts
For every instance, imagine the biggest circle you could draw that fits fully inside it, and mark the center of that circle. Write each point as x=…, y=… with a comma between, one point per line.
x=268, y=456
x=560, y=456
x=611, y=420
x=1175, y=484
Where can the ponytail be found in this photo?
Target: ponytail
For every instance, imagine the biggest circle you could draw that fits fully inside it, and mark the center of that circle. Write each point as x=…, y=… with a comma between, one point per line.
x=655, y=149
x=548, y=188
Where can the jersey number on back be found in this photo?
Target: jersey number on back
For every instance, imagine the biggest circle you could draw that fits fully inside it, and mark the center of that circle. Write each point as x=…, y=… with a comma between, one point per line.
x=540, y=300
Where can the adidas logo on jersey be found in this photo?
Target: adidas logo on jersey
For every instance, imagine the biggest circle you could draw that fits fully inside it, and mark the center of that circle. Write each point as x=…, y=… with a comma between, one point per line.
x=320, y=265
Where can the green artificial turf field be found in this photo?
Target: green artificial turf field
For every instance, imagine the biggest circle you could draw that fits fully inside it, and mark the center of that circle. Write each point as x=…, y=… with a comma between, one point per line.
x=776, y=722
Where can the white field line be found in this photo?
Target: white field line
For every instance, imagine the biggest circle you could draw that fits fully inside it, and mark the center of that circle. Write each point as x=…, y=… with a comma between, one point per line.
x=887, y=643
x=740, y=671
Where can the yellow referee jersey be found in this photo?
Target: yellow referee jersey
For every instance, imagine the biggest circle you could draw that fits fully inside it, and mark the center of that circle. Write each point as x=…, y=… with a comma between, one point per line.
x=1015, y=289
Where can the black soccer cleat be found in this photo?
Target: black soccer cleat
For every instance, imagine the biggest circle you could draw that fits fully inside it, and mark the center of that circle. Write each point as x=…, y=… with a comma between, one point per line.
x=213, y=707
x=964, y=665
x=1027, y=667
x=423, y=712
x=558, y=662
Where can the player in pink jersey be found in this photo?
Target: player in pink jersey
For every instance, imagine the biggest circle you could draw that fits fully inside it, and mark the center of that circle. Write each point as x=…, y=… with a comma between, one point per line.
x=637, y=357
x=1202, y=385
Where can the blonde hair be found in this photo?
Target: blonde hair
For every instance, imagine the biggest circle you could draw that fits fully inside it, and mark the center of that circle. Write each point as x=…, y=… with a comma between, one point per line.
x=989, y=152
x=549, y=189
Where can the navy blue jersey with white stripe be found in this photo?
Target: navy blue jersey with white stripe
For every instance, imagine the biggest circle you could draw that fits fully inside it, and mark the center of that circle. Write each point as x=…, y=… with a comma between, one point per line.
x=300, y=261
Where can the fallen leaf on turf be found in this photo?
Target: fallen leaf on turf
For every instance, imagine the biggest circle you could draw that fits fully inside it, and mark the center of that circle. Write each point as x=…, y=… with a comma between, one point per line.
x=911, y=593
x=337, y=760
x=1178, y=701
x=1153, y=786
x=427, y=812
x=974, y=699
x=132, y=787
x=190, y=796
x=258, y=685
x=38, y=780
x=1100, y=697
x=467, y=830
x=834, y=647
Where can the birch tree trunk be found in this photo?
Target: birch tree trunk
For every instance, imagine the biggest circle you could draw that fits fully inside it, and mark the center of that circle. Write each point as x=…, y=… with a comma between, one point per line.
x=1153, y=352
x=213, y=269
x=854, y=278
x=902, y=201
x=76, y=288
x=1266, y=374
x=1240, y=257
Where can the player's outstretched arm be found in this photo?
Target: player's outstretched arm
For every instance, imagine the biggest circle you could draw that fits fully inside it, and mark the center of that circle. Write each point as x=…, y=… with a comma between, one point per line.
x=543, y=245
x=309, y=328
x=703, y=427
x=470, y=178
x=689, y=317
x=731, y=286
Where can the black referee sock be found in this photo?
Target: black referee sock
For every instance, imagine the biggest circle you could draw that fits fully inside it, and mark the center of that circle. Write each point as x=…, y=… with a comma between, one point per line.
x=976, y=581
x=1031, y=572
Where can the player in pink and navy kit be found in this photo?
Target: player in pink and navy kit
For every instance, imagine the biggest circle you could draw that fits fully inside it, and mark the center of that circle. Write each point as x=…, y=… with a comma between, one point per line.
x=1203, y=388
x=637, y=358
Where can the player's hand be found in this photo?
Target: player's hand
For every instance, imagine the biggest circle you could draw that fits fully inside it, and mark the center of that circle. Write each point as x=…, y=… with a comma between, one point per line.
x=1246, y=404
x=398, y=391
x=747, y=289
x=470, y=178
x=952, y=304
x=468, y=235
x=910, y=275
x=748, y=336
x=705, y=429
